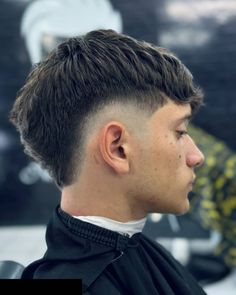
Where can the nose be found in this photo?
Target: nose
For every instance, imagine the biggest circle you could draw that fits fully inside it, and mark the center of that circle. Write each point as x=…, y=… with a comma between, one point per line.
x=195, y=157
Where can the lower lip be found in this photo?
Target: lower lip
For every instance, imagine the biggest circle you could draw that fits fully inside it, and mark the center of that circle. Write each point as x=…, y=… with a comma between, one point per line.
x=190, y=185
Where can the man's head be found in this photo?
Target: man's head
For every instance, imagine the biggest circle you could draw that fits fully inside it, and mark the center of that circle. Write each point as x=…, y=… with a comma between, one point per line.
x=88, y=82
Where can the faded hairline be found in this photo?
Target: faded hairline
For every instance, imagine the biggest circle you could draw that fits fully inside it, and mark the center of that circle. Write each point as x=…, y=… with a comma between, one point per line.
x=128, y=112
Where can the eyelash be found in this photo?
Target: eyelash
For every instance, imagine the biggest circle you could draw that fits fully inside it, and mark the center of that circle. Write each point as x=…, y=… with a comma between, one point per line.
x=181, y=133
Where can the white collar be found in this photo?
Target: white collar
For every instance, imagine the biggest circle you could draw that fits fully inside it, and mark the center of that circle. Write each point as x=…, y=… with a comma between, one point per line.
x=125, y=228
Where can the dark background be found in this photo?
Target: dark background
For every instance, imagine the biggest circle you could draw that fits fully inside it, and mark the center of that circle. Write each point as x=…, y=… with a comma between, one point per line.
x=212, y=62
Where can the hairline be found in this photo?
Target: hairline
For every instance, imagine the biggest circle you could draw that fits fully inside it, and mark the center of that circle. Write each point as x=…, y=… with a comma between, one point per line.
x=114, y=110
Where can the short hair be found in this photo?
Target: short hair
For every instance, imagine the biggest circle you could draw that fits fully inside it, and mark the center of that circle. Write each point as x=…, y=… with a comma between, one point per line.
x=81, y=76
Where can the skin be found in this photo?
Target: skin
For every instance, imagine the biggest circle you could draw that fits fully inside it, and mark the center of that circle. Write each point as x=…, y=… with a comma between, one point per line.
x=135, y=164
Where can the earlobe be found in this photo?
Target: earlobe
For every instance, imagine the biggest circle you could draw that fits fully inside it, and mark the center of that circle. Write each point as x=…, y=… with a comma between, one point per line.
x=114, y=147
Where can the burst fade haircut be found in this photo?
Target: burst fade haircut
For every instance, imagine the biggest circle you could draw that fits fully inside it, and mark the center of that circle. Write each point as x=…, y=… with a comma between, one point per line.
x=80, y=77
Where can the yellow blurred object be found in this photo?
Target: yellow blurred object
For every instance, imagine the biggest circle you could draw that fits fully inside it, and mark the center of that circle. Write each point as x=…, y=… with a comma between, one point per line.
x=213, y=201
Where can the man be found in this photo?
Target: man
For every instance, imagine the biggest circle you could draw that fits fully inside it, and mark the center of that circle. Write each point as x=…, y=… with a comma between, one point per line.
x=107, y=116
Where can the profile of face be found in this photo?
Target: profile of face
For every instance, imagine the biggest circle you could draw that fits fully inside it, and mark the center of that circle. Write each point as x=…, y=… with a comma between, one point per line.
x=165, y=161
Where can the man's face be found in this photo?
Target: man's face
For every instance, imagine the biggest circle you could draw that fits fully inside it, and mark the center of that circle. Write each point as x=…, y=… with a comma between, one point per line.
x=166, y=158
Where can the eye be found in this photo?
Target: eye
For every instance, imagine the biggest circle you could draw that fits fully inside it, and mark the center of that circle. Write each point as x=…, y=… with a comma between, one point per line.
x=181, y=133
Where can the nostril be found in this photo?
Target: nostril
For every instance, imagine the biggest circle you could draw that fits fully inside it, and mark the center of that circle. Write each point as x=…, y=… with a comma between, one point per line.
x=194, y=160
x=200, y=162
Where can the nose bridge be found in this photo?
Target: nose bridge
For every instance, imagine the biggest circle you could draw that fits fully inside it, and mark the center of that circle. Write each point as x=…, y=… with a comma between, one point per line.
x=196, y=156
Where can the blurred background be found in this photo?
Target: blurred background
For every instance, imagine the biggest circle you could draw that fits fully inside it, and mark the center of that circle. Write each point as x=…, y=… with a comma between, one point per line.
x=203, y=35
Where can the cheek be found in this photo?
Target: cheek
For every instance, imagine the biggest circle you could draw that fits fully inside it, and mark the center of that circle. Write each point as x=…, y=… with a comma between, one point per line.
x=165, y=153
x=174, y=154
x=180, y=158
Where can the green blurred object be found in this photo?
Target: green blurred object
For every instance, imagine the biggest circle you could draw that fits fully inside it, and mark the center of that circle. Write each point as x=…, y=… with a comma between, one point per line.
x=213, y=202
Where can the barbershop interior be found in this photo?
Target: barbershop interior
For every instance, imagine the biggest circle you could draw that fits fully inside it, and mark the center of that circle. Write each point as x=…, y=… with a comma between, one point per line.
x=203, y=35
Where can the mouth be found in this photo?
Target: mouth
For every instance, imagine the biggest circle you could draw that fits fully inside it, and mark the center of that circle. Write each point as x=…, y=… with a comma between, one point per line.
x=190, y=186
x=192, y=182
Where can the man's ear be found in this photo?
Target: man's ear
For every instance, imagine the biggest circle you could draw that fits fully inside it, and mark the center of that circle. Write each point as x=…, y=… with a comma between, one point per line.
x=114, y=147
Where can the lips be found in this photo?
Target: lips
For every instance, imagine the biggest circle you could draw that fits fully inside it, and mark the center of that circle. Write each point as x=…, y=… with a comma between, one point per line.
x=191, y=183
x=193, y=180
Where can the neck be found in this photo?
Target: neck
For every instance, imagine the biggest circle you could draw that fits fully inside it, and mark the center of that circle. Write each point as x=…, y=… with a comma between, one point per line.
x=97, y=199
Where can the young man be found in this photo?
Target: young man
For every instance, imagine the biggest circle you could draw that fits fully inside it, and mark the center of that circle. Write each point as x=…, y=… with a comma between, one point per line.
x=107, y=116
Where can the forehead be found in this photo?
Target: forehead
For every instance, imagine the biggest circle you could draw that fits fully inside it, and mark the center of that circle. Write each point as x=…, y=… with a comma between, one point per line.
x=172, y=113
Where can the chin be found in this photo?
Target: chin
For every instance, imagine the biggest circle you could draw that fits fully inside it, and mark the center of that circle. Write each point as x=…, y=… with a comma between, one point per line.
x=174, y=210
x=183, y=209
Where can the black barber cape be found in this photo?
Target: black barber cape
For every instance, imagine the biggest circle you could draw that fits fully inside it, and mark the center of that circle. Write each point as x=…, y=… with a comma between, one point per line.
x=108, y=262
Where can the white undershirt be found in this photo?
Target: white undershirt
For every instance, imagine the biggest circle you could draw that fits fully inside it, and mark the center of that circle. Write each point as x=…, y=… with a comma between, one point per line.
x=125, y=228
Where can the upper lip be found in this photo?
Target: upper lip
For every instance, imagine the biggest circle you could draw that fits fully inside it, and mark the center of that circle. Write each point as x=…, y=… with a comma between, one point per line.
x=194, y=179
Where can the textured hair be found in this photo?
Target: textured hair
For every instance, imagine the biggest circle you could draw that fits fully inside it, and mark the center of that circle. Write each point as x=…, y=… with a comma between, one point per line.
x=81, y=76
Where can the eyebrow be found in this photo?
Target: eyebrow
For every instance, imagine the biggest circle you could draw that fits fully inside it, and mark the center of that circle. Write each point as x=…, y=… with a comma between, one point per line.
x=186, y=118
